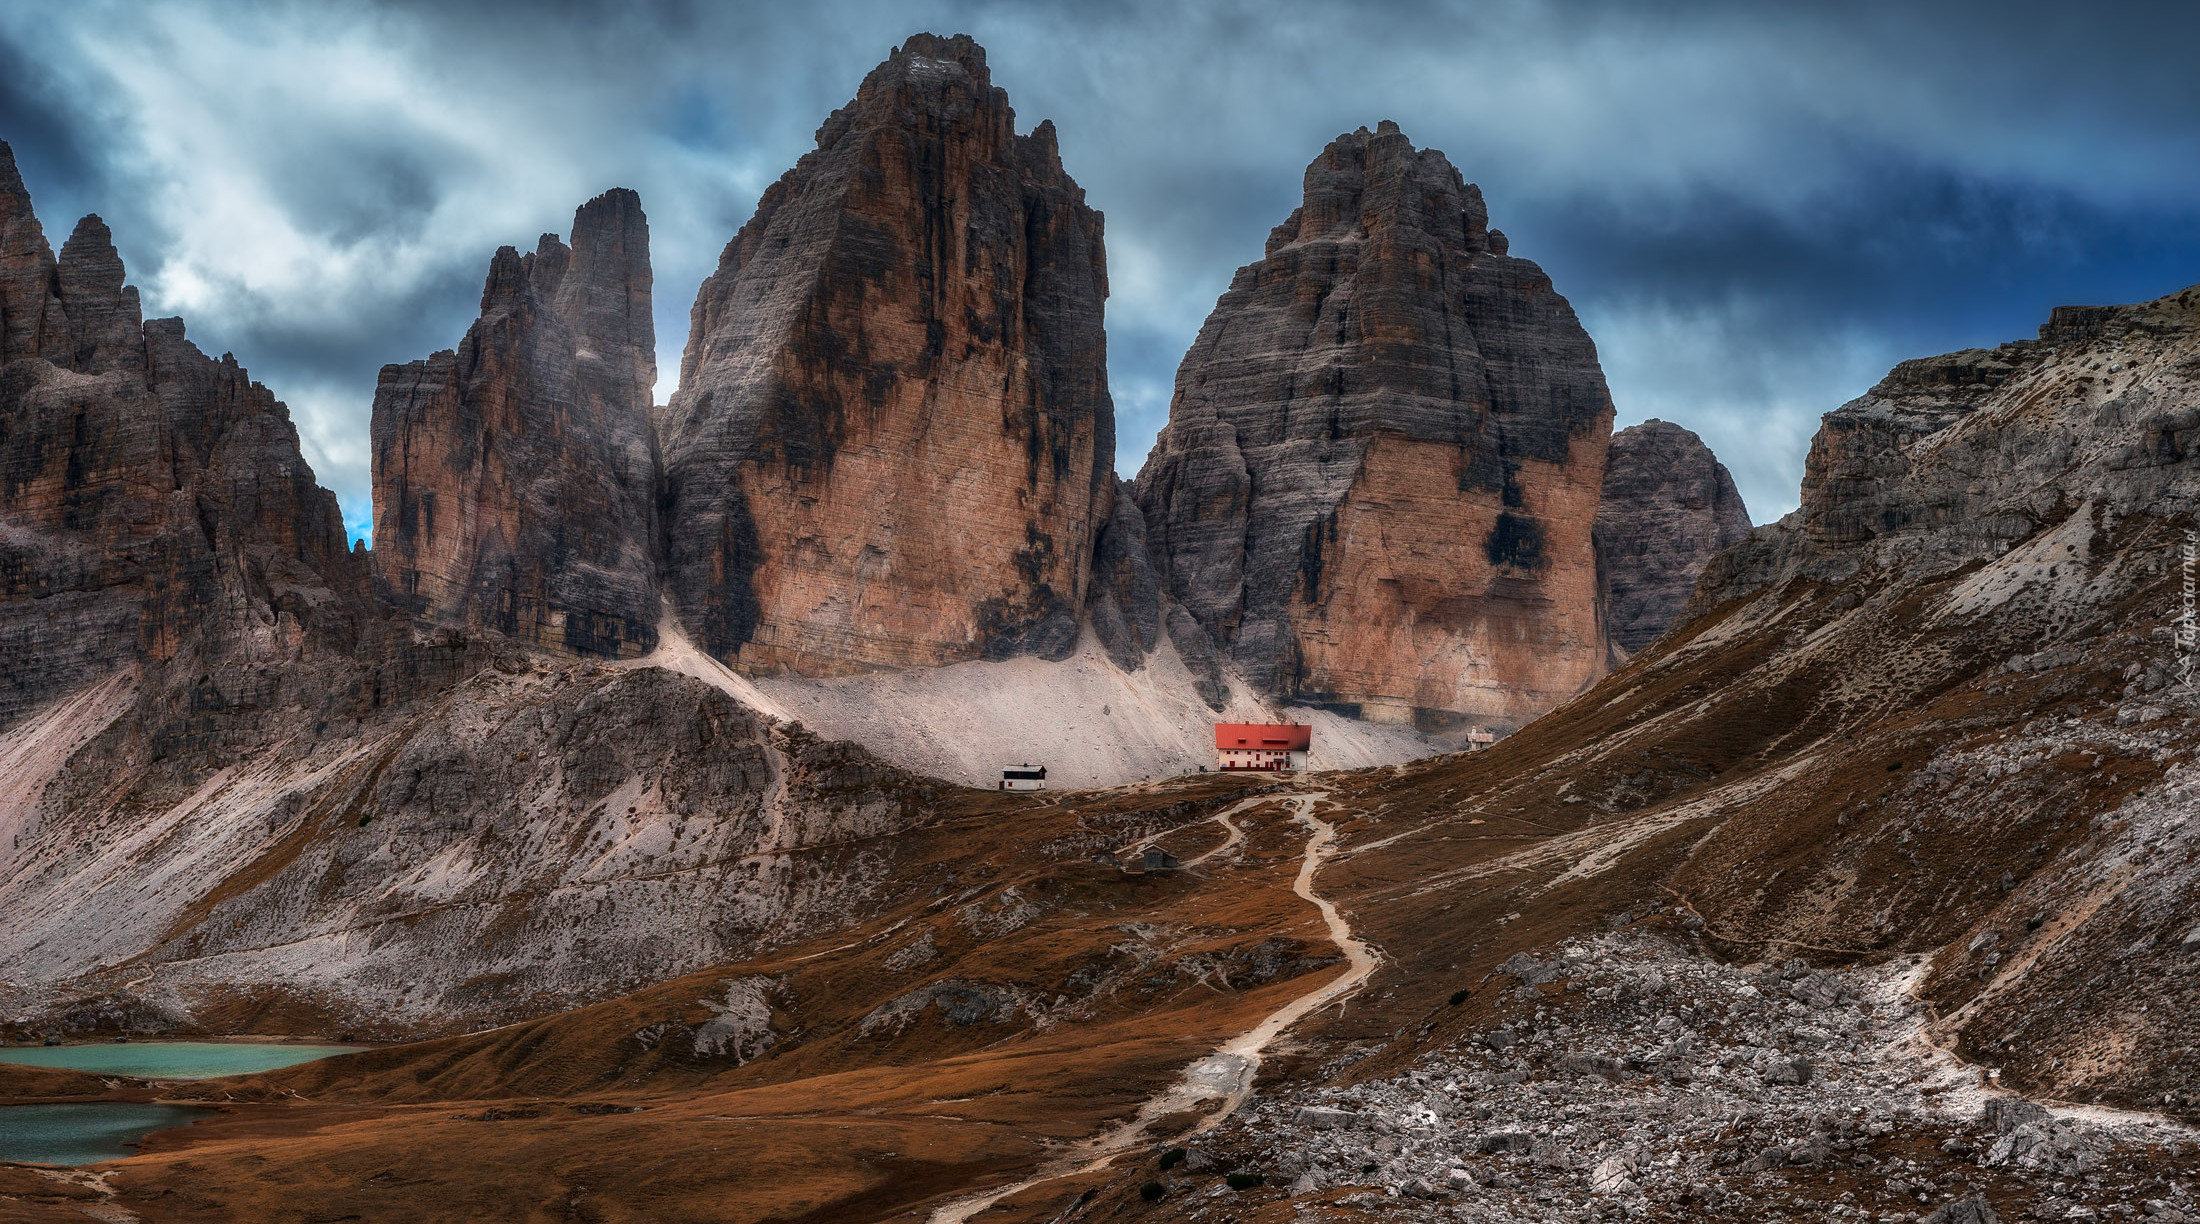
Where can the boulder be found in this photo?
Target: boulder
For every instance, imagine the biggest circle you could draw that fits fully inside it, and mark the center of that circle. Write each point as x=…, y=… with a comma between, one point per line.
x=1972, y=1210
x=1321, y=1117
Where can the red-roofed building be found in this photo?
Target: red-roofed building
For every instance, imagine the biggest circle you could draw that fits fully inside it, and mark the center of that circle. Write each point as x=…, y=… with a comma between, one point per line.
x=1277, y=746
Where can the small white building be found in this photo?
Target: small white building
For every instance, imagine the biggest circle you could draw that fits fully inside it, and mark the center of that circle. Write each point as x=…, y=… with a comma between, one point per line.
x=1025, y=777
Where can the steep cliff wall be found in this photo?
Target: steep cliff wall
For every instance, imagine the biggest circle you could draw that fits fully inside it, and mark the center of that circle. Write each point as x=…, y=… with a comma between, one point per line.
x=153, y=501
x=892, y=442
x=1669, y=505
x=1384, y=454
x=515, y=478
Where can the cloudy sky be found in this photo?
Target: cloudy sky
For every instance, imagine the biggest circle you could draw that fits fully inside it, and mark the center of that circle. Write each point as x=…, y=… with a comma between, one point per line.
x=1755, y=208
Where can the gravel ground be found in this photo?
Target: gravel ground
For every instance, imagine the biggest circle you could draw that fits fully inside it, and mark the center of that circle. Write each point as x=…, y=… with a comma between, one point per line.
x=1626, y=1078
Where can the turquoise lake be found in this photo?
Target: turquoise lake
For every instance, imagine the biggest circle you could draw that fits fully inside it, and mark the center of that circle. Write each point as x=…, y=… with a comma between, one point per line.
x=170, y=1059
x=83, y=1134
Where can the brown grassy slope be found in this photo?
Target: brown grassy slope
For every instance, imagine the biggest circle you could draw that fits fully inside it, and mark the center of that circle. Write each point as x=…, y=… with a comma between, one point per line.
x=1118, y=982
x=1841, y=772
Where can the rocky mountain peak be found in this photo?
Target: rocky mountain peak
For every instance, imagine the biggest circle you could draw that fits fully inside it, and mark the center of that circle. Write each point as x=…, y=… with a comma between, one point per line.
x=104, y=320
x=605, y=292
x=159, y=507
x=1366, y=183
x=1382, y=386
x=891, y=443
x=30, y=302
x=2097, y=409
x=931, y=61
x=515, y=477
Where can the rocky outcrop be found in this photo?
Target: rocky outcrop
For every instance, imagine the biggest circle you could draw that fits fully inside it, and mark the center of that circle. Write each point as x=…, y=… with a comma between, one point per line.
x=153, y=501
x=515, y=478
x=1955, y=459
x=1944, y=707
x=1382, y=464
x=1668, y=506
x=892, y=441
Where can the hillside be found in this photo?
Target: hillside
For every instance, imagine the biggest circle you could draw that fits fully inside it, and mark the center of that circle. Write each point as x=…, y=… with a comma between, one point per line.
x=1868, y=891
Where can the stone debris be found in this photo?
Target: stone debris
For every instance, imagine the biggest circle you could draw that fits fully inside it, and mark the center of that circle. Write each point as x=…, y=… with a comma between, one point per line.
x=1973, y=1210
x=960, y=1002
x=1642, y=1081
x=923, y=950
x=1316, y=1117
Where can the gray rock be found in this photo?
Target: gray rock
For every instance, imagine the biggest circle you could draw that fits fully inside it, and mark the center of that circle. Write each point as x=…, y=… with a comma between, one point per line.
x=1552, y=1154
x=2005, y=1114
x=1321, y=1117
x=1794, y=1071
x=1973, y=1210
x=1820, y=990
x=1125, y=599
x=1615, y=1175
x=1197, y=649
x=1497, y=1039
x=1668, y=506
x=515, y=479
x=1600, y=1065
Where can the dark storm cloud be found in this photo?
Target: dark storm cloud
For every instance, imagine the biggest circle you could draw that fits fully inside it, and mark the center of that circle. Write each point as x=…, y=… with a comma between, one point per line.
x=35, y=120
x=1755, y=208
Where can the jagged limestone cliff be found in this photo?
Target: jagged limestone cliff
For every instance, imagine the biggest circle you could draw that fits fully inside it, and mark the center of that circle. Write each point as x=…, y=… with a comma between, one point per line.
x=153, y=501
x=515, y=478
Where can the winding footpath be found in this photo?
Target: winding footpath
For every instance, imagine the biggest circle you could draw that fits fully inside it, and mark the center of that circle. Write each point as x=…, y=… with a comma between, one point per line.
x=1226, y=1074
x=1223, y=818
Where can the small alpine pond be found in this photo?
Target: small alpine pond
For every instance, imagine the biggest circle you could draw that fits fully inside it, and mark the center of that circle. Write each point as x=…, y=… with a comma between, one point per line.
x=86, y=1133
x=171, y=1060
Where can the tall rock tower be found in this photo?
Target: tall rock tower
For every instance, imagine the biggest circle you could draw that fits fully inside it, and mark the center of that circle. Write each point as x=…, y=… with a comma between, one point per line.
x=892, y=443
x=1381, y=469
x=515, y=478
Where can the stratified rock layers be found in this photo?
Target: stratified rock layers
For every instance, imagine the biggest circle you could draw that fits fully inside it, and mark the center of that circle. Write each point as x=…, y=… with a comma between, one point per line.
x=152, y=500
x=1669, y=506
x=892, y=441
x=515, y=479
x=1384, y=456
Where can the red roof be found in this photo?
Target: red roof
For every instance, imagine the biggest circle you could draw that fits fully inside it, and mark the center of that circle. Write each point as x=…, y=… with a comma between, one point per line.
x=1291, y=737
